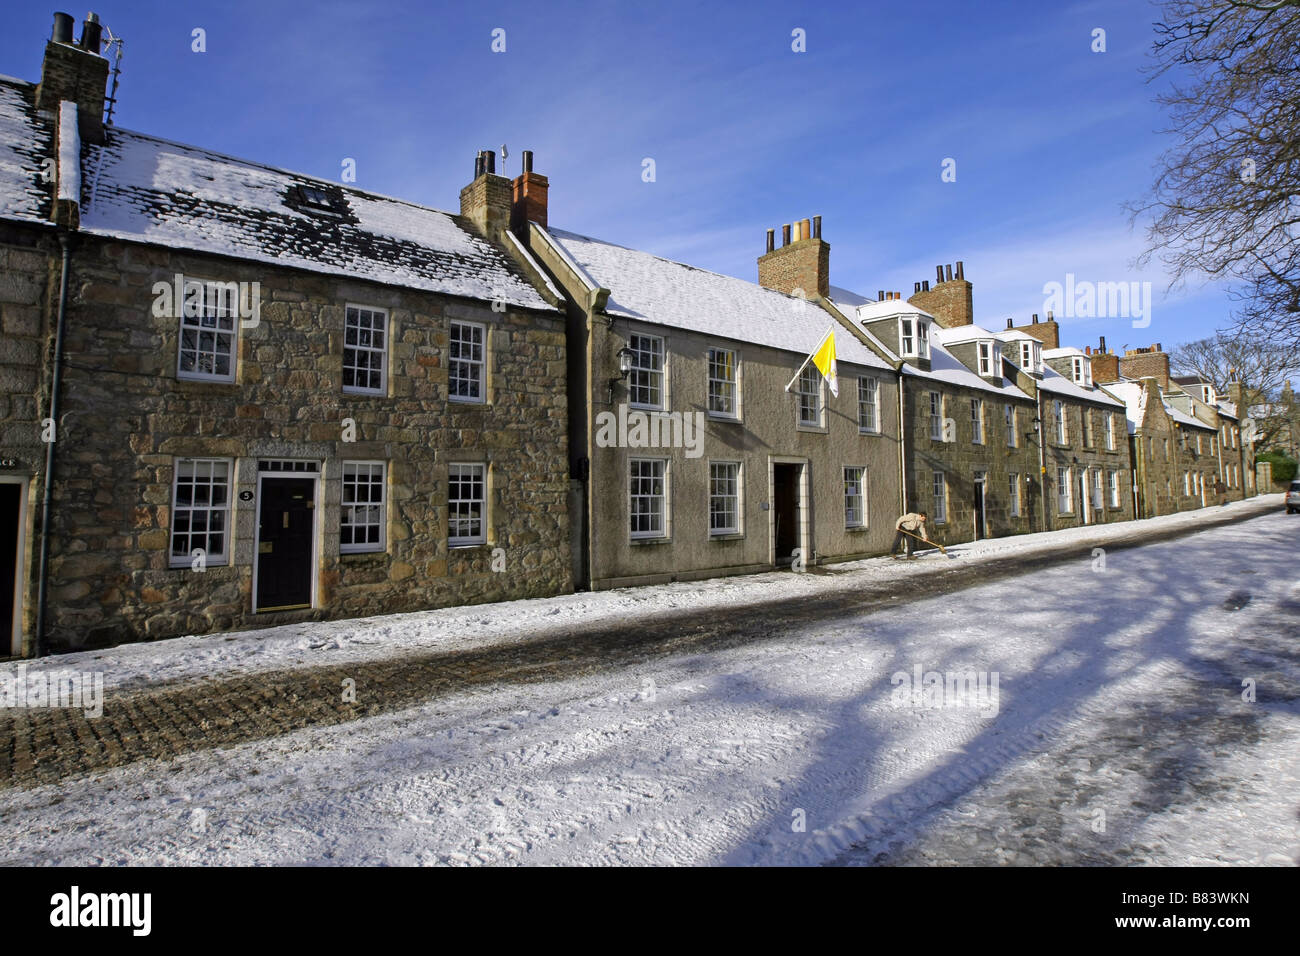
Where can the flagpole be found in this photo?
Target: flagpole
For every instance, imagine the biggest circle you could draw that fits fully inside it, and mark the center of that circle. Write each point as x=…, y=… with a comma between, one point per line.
x=830, y=330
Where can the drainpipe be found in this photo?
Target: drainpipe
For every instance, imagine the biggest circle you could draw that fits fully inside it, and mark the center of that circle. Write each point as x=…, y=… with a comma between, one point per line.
x=1042, y=457
x=902, y=446
x=56, y=378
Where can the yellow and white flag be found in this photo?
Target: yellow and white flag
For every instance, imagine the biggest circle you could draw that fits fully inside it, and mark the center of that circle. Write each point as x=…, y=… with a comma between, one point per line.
x=824, y=358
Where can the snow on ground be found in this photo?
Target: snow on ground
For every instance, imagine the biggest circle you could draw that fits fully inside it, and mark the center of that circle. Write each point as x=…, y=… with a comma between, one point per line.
x=1120, y=691
x=200, y=657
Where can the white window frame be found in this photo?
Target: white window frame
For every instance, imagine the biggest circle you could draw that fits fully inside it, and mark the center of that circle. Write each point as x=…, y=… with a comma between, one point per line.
x=349, y=311
x=647, y=379
x=939, y=495
x=1098, y=492
x=1114, y=490
x=1013, y=492
x=1082, y=370
x=219, y=307
x=477, y=367
x=1110, y=431
x=735, y=495
x=1058, y=422
x=871, y=404
x=457, y=473
x=712, y=362
x=977, y=421
x=860, y=521
x=1064, y=491
x=185, y=560
x=634, y=495
x=936, y=416
x=1009, y=419
x=352, y=508
x=907, y=337
x=985, y=353
x=810, y=386
x=922, y=339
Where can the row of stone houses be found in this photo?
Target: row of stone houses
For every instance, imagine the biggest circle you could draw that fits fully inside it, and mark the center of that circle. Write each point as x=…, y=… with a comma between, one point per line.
x=235, y=395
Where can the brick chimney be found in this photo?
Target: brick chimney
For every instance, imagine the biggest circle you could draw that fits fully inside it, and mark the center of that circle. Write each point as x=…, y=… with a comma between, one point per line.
x=1148, y=362
x=529, y=201
x=949, y=300
x=1047, y=332
x=77, y=73
x=803, y=263
x=486, y=202
x=1105, y=365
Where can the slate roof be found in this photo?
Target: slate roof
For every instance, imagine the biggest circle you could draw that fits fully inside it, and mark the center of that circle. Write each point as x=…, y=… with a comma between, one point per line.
x=145, y=189
x=26, y=140
x=672, y=294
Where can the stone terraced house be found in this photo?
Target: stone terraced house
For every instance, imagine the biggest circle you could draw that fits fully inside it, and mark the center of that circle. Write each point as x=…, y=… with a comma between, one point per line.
x=745, y=475
x=276, y=399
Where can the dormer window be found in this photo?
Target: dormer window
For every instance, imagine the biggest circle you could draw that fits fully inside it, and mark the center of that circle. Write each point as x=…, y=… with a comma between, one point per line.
x=1082, y=371
x=990, y=359
x=1208, y=395
x=923, y=339
x=1031, y=357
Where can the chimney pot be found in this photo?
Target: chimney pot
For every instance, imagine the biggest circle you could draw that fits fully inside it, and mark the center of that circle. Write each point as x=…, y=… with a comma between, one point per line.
x=1087, y=350
x=771, y=239
x=1008, y=323
x=527, y=160
x=1157, y=348
x=817, y=227
x=925, y=286
x=490, y=156
x=880, y=296
x=961, y=272
x=1049, y=316
x=785, y=234
x=1103, y=344
x=805, y=229
x=1035, y=318
x=91, y=29
x=62, y=28
x=948, y=272
x=916, y=287
x=938, y=275
x=478, y=164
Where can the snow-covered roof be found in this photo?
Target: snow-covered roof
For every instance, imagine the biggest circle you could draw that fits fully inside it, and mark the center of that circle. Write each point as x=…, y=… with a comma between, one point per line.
x=872, y=311
x=1134, y=397
x=966, y=333
x=1053, y=381
x=1184, y=419
x=650, y=289
x=1015, y=335
x=26, y=140
x=1227, y=409
x=946, y=367
x=145, y=189
x=1065, y=351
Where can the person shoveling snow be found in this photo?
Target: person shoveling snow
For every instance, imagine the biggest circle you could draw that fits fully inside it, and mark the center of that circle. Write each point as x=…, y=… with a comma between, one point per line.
x=910, y=527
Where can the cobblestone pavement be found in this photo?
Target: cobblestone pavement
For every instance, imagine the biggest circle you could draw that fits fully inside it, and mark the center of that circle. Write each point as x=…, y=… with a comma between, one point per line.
x=41, y=746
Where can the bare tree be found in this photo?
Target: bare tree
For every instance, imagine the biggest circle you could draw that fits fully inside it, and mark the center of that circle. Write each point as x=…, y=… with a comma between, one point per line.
x=1226, y=200
x=1263, y=367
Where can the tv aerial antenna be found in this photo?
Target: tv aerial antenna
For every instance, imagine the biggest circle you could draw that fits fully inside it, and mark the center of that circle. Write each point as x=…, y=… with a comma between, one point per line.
x=114, y=43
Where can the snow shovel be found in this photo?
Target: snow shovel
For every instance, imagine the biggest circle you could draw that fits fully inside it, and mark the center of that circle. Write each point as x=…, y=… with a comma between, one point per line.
x=942, y=549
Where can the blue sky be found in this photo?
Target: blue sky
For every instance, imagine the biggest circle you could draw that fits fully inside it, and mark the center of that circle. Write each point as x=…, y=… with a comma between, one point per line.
x=1049, y=137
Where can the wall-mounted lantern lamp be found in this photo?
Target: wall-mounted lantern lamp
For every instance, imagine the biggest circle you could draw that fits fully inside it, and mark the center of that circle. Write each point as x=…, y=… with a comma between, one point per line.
x=624, y=369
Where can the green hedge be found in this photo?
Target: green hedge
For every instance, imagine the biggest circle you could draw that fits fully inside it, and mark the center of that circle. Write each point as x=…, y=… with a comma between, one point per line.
x=1284, y=466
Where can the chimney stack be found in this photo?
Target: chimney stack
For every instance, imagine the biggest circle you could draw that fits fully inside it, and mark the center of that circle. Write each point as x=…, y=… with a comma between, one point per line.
x=1146, y=363
x=529, y=197
x=1105, y=368
x=950, y=301
x=486, y=202
x=77, y=73
x=804, y=264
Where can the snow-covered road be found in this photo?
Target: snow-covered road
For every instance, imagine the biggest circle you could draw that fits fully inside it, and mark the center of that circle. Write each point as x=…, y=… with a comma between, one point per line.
x=1119, y=733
